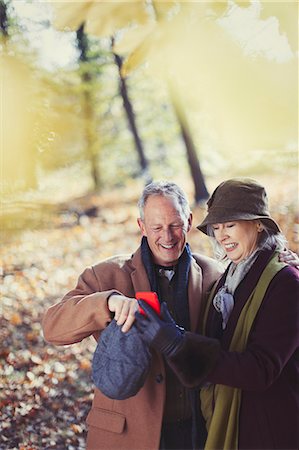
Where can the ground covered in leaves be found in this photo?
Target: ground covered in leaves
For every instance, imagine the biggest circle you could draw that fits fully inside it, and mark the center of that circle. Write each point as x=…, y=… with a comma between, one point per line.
x=46, y=391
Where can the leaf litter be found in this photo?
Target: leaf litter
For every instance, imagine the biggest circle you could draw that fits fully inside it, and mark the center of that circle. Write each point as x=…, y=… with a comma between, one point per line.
x=46, y=391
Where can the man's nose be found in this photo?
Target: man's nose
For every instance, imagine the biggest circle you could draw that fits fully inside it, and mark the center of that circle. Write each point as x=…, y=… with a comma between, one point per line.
x=167, y=234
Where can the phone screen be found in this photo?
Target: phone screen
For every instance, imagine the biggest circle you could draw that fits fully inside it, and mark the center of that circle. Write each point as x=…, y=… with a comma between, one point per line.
x=151, y=298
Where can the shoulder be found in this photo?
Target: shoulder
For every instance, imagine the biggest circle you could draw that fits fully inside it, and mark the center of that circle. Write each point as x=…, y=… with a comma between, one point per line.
x=288, y=276
x=116, y=266
x=114, y=262
x=208, y=264
x=283, y=290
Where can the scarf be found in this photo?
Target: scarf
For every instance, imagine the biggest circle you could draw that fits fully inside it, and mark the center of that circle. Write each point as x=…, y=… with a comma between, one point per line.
x=224, y=299
x=180, y=280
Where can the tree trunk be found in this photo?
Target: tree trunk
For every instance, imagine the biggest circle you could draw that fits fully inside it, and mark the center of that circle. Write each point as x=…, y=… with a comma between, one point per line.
x=200, y=191
x=3, y=19
x=132, y=120
x=90, y=137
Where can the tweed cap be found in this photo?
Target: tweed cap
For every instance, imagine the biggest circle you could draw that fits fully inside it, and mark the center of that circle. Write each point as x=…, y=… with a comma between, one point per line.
x=121, y=362
x=238, y=199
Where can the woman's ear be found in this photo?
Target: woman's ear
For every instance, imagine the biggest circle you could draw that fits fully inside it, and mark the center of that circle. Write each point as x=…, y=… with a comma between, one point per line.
x=260, y=227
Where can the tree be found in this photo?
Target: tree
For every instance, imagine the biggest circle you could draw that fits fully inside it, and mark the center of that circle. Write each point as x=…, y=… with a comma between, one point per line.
x=3, y=19
x=18, y=115
x=89, y=120
x=240, y=87
x=131, y=117
x=200, y=190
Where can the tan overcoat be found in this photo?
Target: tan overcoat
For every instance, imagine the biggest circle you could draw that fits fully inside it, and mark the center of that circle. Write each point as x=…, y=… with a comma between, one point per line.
x=135, y=423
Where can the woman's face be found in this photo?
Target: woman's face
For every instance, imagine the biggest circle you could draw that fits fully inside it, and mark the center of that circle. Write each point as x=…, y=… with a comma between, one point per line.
x=238, y=239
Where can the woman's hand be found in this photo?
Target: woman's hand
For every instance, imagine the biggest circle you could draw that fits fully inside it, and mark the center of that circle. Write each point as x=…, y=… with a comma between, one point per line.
x=161, y=333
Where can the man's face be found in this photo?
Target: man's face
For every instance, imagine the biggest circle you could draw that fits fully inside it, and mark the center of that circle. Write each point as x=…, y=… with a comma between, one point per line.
x=166, y=229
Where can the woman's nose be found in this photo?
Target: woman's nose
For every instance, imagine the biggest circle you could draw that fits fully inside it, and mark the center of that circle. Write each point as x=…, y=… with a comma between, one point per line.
x=222, y=234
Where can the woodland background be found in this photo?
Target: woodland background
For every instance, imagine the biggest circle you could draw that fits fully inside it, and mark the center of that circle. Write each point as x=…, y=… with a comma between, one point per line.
x=97, y=99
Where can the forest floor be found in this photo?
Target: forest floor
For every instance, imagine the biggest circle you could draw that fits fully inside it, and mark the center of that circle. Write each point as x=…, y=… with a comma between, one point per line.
x=46, y=391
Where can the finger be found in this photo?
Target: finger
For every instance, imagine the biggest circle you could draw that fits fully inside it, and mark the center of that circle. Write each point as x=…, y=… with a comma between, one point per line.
x=133, y=305
x=148, y=310
x=128, y=323
x=123, y=314
x=115, y=305
x=141, y=321
x=140, y=326
x=165, y=314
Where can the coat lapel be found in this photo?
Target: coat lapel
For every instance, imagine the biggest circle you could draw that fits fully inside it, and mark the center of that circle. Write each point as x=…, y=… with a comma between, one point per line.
x=194, y=294
x=138, y=275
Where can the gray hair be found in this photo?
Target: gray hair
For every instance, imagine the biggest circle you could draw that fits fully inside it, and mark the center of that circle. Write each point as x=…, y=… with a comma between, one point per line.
x=268, y=240
x=166, y=189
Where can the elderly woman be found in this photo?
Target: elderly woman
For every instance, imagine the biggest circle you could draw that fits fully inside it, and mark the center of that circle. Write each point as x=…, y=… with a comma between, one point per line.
x=246, y=360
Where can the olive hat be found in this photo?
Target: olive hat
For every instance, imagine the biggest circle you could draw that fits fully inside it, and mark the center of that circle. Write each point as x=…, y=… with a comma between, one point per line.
x=238, y=199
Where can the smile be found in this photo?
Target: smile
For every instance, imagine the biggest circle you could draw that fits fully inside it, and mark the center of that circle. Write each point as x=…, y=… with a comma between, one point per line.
x=230, y=246
x=168, y=247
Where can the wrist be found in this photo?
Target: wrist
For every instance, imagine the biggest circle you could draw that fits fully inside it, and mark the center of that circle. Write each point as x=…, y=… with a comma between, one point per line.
x=109, y=299
x=169, y=340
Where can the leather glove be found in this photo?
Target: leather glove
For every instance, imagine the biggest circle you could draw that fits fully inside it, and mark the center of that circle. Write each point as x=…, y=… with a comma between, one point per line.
x=163, y=333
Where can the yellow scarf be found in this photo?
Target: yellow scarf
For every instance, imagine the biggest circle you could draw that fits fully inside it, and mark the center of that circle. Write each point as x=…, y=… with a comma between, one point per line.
x=223, y=420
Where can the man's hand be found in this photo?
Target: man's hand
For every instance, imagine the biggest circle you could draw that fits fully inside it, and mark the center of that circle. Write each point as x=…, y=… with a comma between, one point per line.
x=289, y=257
x=162, y=334
x=124, y=309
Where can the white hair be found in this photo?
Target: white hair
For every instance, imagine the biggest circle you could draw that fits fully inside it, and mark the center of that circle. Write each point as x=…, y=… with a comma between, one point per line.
x=166, y=189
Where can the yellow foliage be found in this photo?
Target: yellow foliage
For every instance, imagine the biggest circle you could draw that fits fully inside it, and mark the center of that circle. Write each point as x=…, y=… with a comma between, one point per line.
x=17, y=118
x=101, y=18
x=105, y=18
x=243, y=3
x=287, y=14
x=162, y=7
x=133, y=37
x=70, y=14
x=252, y=100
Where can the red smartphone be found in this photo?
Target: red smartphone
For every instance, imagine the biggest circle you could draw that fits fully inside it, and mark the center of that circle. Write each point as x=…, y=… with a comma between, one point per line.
x=151, y=298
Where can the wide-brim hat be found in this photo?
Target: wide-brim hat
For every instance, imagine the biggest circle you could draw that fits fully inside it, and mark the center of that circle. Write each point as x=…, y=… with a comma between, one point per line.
x=238, y=199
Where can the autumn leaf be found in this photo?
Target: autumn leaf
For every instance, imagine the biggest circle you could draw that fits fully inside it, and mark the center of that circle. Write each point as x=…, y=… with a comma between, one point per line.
x=15, y=319
x=286, y=14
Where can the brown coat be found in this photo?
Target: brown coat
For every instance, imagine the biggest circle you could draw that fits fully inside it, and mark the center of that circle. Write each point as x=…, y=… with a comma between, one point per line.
x=135, y=423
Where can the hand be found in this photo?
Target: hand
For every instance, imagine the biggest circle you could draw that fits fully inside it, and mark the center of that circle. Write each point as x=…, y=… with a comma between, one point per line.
x=161, y=333
x=124, y=309
x=289, y=257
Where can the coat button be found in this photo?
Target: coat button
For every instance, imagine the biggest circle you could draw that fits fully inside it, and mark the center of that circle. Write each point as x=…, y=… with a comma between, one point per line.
x=159, y=378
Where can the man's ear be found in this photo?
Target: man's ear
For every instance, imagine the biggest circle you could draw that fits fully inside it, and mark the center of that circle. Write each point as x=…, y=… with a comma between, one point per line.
x=141, y=226
x=190, y=220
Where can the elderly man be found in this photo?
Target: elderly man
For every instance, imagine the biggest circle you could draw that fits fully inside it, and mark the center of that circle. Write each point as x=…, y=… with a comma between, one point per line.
x=160, y=415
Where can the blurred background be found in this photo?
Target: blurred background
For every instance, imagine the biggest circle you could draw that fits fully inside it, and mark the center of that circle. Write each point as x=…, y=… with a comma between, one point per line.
x=98, y=98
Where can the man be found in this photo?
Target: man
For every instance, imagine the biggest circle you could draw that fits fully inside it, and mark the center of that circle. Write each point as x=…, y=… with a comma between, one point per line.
x=159, y=416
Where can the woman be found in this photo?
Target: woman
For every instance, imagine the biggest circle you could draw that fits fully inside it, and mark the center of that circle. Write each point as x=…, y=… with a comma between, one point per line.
x=247, y=362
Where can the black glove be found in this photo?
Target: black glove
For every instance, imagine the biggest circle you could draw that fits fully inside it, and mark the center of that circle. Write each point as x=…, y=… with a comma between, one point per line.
x=161, y=333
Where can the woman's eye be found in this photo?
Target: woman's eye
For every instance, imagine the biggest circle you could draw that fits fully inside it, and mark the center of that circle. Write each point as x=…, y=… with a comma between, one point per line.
x=230, y=225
